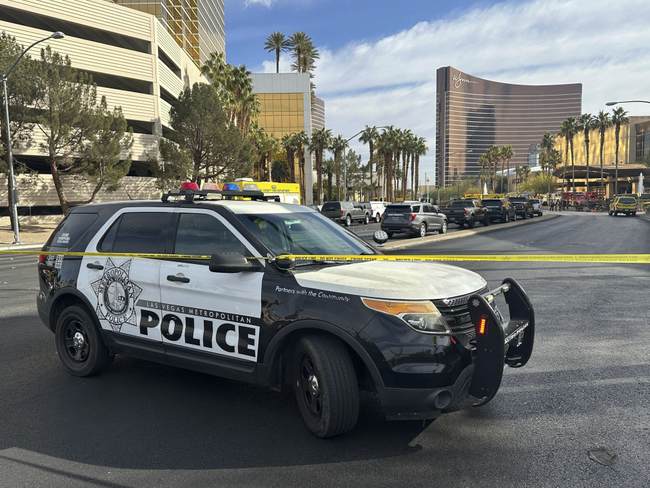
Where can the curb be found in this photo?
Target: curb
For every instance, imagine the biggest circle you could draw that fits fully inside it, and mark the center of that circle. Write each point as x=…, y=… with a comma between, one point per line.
x=466, y=233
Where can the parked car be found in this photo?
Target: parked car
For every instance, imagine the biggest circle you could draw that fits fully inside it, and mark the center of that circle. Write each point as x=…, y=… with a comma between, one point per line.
x=537, y=206
x=345, y=212
x=378, y=209
x=644, y=202
x=416, y=219
x=466, y=212
x=368, y=209
x=523, y=207
x=624, y=204
x=499, y=209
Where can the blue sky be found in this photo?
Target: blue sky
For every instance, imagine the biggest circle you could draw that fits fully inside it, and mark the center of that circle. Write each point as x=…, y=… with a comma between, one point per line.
x=378, y=57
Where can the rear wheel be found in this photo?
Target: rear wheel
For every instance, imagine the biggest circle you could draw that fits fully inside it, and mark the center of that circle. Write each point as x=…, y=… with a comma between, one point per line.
x=79, y=344
x=366, y=219
x=506, y=218
x=443, y=228
x=377, y=218
x=486, y=220
x=348, y=221
x=325, y=386
x=422, y=231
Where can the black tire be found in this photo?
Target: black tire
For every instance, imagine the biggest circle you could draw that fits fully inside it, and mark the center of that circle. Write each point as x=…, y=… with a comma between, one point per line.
x=611, y=213
x=79, y=344
x=470, y=223
x=377, y=218
x=422, y=230
x=366, y=220
x=348, y=221
x=506, y=218
x=525, y=215
x=389, y=234
x=443, y=228
x=329, y=405
x=486, y=220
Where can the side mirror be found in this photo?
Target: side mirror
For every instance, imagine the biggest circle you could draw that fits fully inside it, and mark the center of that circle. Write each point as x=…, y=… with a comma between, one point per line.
x=380, y=237
x=232, y=263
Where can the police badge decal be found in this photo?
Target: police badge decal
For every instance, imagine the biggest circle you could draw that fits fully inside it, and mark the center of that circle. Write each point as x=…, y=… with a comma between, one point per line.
x=116, y=295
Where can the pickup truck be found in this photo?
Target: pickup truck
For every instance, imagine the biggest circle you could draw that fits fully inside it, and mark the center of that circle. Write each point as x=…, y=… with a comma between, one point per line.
x=466, y=212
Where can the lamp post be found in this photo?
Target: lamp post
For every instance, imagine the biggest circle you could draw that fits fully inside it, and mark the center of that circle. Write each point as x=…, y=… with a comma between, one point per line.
x=10, y=158
x=609, y=104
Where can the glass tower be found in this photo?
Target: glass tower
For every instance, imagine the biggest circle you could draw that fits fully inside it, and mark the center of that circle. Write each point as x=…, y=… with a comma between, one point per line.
x=197, y=25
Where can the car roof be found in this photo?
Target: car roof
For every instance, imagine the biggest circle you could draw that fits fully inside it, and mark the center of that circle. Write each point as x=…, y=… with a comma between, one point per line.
x=235, y=206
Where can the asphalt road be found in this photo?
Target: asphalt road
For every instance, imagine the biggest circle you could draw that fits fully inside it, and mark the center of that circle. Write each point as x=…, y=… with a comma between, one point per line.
x=141, y=424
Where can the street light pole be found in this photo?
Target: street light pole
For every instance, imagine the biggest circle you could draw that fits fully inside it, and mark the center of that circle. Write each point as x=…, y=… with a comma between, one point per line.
x=609, y=104
x=13, y=203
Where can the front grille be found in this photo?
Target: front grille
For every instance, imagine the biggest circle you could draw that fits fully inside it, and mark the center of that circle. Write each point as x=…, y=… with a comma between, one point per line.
x=456, y=313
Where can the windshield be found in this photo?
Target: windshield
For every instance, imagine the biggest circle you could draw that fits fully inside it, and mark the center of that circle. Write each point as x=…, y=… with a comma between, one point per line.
x=331, y=206
x=627, y=200
x=302, y=233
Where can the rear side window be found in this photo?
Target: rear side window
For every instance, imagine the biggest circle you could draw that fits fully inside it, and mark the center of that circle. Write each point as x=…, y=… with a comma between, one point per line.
x=415, y=208
x=138, y=232
x=398, y=209
x=72, y=229
x=331, y=206
x=205, y=235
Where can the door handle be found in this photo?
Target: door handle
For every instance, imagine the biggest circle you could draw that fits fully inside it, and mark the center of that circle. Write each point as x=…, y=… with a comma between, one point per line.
x=94, y=266
x=178, y=279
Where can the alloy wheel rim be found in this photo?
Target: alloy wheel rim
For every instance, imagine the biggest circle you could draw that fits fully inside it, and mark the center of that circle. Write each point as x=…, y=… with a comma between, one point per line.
x=309, y=386
x=76, y=341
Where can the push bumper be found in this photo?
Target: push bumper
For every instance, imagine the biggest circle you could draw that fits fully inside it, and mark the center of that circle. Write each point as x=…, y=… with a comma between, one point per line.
x=498, y=343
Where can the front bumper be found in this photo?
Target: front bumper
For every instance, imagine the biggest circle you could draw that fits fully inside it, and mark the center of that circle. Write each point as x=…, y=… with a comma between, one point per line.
x=497, y=343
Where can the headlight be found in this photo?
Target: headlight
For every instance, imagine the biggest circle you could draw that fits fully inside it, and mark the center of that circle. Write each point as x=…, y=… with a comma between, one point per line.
x=422, y=316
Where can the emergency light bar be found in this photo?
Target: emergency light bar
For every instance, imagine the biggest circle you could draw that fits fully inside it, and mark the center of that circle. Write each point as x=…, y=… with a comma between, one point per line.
x=192, y=195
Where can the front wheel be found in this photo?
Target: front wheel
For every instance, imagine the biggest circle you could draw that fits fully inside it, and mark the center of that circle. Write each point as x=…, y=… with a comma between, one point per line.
x=443, y=228
x=348, y=221
x=366, y=220
x=325, y=385
x=79, y=344
x=611, y=213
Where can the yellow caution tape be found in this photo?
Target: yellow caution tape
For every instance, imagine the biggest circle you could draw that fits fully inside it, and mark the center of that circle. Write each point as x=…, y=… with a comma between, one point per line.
x=521, y=258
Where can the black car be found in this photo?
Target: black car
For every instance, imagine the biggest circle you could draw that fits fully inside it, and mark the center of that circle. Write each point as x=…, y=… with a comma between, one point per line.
x=523, y=207
x=425, y=338
x=345, y=212
x=413, y=218
x=499, y=209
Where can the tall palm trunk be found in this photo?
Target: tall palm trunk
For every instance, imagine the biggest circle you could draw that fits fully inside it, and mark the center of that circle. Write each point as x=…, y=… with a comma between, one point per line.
x=573, y=167
x=277, y=59
x=370, y=149
x=412, y=158
x=602, y=144
x=337, y=172
x=587, y=158
x=417, y=173
x=405, y=173
x=566, y=163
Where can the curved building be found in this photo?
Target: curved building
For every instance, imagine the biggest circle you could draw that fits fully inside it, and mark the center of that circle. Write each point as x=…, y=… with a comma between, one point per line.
x=473, y=114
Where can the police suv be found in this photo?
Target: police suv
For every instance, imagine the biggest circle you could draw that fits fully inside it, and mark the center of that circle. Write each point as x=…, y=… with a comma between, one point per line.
x=425, y=338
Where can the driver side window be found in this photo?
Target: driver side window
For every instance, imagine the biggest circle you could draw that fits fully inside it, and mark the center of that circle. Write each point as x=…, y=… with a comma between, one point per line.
x=203, y=234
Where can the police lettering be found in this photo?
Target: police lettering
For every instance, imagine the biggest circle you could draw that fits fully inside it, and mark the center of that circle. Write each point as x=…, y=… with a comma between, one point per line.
x=227, y=338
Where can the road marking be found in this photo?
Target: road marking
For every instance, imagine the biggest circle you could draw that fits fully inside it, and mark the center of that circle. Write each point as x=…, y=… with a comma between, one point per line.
x=641, y=380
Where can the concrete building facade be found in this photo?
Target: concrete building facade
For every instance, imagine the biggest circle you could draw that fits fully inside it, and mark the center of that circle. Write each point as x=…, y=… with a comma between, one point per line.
x=133, y=59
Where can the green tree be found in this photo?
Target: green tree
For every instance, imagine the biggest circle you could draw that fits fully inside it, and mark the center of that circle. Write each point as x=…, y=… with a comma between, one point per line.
x=369, y=136
x=338, y=146
x=506, y=154
x=65, y=115
x=106, y=156
x=301, y=143
x=320, y=141
x=585, y=124
x=289, y=145
x=304, y=53
x=420, y=150
x=264, y=147
x=603, y=122
x=277, y=43
x=568, y=130
x=328, y=169
x=619, y=118
x=216, y=147
x=21, y=93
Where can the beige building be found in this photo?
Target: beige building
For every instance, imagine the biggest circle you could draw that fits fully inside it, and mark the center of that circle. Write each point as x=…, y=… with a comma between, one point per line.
x=196, y=25
x=134, y=60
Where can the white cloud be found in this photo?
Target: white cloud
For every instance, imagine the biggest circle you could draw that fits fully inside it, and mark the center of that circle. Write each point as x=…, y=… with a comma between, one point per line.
x=599, y=43
x=265, y=3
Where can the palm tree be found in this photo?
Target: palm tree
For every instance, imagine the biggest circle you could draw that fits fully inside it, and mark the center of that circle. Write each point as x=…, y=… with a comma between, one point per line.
x=301, y=142
x=328, y=168
x=506, y=154
x=289, y=144
x=420, y=150
x=320, y=140
x=386, y=144
x=369, y=136
x=619, y=117
x=406, y=141
x=337, y=146
x=277, y=42
x=602, y=124
x=568, y=130
x=586, y=124
x=303, y=51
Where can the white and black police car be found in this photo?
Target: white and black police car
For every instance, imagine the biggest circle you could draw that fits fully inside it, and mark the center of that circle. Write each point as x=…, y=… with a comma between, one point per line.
x=425, y=338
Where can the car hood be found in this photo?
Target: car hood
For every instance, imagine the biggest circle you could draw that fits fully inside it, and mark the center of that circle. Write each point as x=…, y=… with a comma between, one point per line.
x=396, y=280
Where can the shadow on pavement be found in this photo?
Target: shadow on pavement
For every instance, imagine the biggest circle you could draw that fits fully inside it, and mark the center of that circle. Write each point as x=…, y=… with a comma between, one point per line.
x=141, y=415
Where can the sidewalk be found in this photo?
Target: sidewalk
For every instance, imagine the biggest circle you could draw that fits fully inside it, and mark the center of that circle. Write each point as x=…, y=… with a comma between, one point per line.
x=30, y=235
